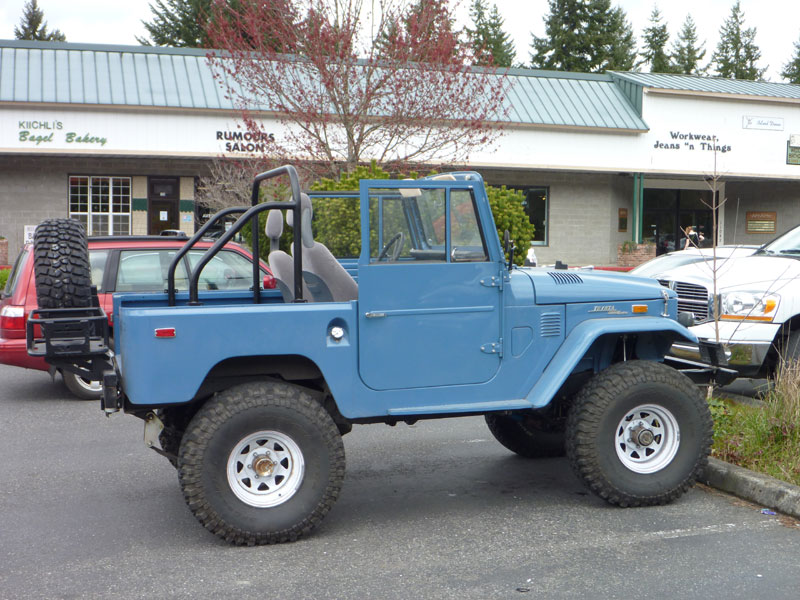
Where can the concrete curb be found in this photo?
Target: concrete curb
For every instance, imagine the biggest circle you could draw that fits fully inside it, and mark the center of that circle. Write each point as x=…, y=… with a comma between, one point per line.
x=754, y=487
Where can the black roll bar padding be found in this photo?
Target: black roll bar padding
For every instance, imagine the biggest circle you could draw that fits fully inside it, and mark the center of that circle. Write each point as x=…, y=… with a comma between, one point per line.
x=252, y=215
x=190, y=244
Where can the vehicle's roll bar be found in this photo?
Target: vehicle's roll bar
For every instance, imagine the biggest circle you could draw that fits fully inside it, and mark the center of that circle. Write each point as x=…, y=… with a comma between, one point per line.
x=250, y=215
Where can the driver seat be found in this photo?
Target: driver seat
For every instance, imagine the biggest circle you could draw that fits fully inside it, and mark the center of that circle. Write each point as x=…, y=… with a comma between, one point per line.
x=319, y=261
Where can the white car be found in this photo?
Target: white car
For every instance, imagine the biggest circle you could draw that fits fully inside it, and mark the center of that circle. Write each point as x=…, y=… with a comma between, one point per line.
x=666, y=262
x=759, y=304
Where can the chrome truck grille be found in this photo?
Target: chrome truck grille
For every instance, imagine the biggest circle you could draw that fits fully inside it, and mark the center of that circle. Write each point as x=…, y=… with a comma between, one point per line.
x=692, y=298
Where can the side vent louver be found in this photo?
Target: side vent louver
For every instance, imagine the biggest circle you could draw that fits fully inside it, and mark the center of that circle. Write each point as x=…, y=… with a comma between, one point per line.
x=550, y=325
x=564, y=278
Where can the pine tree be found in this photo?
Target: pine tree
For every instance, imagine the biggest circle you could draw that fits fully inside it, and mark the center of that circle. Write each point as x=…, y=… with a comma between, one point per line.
x=686, y=52
x=32, y=26
x=620, y=42
x=655, y=41
x=424, y=22
x=489, y=42
x=791, y=70
x=584, y=36
x=737, y=54
x=179, y=23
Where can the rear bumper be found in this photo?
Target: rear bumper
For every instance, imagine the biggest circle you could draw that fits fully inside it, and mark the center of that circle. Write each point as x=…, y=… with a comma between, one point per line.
x=14, y=352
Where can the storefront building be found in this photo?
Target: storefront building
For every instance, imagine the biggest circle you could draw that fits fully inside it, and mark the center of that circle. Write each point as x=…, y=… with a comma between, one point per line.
x=118, y=136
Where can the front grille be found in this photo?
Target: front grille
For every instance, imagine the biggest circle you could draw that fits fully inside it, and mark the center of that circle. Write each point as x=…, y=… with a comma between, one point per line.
x=691, y=298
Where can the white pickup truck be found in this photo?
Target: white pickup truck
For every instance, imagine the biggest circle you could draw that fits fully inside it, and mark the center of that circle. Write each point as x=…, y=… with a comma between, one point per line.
x=759, y=305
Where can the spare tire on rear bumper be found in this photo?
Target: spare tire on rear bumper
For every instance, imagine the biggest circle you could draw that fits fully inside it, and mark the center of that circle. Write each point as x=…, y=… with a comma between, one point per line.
x=62, y=271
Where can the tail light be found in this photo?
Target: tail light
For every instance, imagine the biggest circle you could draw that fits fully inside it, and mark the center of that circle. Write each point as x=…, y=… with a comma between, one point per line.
x=12, y=320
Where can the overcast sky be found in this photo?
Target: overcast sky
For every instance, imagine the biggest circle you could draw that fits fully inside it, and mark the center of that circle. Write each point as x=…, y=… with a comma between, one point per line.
x=777, y=21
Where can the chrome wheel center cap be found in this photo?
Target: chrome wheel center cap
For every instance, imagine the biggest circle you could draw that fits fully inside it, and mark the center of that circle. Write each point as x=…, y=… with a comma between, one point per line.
x=641, y=436
x=263, y=466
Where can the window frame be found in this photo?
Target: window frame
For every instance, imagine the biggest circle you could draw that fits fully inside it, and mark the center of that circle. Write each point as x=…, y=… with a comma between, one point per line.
x=112, y=200
x=546, y=190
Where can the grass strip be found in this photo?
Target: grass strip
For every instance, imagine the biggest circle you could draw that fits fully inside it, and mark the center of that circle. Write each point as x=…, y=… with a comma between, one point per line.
x=765, y=439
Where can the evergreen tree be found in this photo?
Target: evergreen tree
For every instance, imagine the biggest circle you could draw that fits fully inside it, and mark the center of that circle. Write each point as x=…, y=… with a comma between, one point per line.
x=179, y=23
x=686, y=52
x=655, y=41
x=618, y=42
x=791, y=70
x=489, y=42
x=584, y=36
x=32, y=26
x=737, y=54
x=424, y=24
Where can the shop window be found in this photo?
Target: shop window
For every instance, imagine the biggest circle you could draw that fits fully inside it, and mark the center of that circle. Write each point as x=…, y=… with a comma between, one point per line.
x=102, y=204
x=537, y=204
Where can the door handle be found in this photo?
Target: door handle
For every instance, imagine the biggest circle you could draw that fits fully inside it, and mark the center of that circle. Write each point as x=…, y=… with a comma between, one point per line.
x=375, y=315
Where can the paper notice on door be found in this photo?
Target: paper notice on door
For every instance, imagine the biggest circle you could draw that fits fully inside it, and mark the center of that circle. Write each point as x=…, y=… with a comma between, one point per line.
x=162, y=215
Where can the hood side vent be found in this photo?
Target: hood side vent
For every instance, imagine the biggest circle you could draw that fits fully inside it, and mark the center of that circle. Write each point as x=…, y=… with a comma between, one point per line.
x=550, y=324
x=562, y=278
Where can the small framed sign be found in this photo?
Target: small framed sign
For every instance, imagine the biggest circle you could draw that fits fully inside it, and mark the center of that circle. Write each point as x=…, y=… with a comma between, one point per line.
x=792, y=151
x=622, y=223
x=761, y=222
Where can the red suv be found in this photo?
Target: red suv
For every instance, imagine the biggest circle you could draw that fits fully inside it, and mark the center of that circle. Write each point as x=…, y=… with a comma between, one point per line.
x=119, y=264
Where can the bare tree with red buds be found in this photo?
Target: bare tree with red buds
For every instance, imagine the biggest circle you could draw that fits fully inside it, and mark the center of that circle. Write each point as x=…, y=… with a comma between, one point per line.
x=392, y=84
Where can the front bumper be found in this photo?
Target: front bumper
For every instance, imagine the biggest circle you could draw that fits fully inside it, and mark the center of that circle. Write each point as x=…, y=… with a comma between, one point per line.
x=746, y=345
x=747, y=358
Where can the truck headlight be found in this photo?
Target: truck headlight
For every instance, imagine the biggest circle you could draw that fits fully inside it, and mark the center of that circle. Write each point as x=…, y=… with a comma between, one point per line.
x=748, y=306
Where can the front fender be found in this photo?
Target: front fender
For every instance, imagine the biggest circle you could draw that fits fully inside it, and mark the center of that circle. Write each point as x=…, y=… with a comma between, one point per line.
x=581, y=338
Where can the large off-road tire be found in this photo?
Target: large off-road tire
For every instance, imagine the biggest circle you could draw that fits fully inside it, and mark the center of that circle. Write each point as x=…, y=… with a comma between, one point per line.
x=261, y=463
x=82, y=388
x=62, y=272
x=639, y=434
x=170, y=442
x=527, y=436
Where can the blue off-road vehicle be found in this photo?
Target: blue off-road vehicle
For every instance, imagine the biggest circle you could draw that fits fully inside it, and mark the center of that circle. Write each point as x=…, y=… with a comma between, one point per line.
x=249, y=393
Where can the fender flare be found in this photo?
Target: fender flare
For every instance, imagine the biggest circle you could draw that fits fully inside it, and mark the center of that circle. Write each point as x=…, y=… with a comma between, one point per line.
x=580, y=339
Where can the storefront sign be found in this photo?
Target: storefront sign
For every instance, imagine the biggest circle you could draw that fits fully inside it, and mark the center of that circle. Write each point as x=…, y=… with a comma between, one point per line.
x=768, y=123
x=46, y=132
x=246, y=141
x=761, y=222
x=690, y=141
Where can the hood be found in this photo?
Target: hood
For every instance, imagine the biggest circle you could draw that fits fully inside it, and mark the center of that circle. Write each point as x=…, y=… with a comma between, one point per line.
x=755, y=272
x=555, y=286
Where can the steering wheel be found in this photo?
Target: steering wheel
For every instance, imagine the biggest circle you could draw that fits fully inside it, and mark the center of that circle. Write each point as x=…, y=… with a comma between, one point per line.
x=397, y=241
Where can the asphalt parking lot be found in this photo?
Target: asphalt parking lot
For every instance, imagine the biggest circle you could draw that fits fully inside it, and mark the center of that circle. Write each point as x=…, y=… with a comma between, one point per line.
x=437, y=510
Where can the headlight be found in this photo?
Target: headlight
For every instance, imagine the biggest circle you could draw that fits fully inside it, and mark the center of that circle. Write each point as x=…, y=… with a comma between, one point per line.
x=748, y=306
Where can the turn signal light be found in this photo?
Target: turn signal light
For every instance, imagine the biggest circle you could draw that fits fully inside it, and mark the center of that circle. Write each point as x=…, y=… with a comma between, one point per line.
x=639, y=309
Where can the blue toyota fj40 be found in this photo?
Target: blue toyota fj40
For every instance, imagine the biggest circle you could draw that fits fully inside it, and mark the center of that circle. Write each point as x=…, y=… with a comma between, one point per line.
x=249, y=394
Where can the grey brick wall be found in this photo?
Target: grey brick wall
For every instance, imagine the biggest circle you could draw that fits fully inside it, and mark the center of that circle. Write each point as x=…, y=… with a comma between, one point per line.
x=782, y=197
x=583, y=207
x=36, y=188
